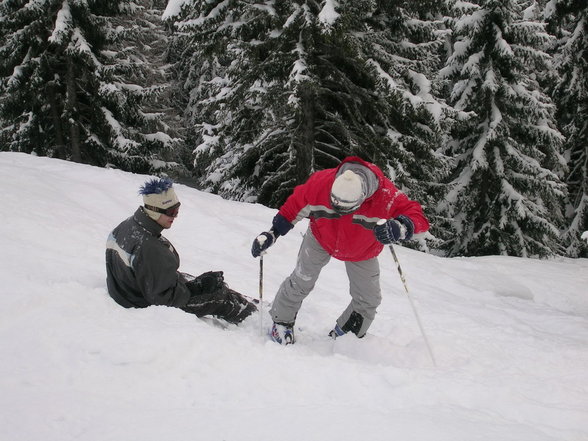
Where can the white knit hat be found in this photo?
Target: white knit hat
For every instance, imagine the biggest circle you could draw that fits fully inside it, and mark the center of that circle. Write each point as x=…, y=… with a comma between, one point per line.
x=158, y=193
x=347, y=192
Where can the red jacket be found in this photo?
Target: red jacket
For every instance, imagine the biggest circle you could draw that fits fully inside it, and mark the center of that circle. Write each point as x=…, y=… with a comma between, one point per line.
x=350, y=237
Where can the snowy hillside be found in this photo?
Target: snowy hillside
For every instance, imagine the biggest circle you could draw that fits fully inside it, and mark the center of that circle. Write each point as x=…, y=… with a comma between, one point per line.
x=510, y=335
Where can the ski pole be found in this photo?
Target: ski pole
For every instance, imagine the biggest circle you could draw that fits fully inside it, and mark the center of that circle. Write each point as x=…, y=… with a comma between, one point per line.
x=261, y=294
x=416, y=314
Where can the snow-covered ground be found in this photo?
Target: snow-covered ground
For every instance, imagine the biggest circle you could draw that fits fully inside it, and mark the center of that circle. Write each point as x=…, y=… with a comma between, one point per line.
x=510, y=335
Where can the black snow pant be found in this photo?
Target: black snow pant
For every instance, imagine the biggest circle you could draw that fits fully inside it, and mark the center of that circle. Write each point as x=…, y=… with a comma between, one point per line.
x=223, y=303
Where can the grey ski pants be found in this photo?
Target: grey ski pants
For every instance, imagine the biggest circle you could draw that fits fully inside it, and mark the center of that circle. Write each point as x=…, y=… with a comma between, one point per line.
x=364, y=287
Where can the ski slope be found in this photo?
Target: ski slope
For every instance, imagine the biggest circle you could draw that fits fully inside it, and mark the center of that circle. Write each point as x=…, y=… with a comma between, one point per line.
x=510, y=335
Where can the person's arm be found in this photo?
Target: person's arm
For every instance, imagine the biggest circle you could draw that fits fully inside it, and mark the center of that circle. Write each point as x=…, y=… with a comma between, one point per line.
x=405, y=218
x=403, y=206
x=299, y=204
x=293, y=210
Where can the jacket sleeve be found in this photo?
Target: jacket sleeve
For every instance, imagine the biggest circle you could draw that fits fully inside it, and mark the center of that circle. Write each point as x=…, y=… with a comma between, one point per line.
x=157, y=276
x=298, y=204
x=402, y=205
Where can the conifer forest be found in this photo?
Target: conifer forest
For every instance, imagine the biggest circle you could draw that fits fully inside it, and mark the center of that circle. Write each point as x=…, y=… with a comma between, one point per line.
x=477, y=109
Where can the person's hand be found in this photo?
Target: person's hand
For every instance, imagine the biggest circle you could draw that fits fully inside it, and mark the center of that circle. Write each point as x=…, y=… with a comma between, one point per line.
x=262, y=243
x=206, y=283
x=212, y=281
x=394, y=230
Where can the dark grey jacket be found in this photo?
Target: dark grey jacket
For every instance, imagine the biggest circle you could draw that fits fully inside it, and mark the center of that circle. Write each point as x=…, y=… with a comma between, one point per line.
x=142, y=265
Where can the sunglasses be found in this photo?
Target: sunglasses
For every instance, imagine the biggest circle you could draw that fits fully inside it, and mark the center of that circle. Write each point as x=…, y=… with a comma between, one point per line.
x=171, y=211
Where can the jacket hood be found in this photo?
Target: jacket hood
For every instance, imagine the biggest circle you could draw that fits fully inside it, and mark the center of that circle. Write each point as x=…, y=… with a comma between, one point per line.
x=370, y=174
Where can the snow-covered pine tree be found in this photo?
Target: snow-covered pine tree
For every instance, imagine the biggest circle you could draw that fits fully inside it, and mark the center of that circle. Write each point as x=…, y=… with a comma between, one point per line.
x=224, y=92
x=405, y=43
x=141, y=45
x=279, y=89
x=569, y=21
x=63, y=88
x=507, y=194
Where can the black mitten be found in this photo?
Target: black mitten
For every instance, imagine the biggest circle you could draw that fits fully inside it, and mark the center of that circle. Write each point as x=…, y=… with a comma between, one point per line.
x=262, y=243
x=394, y=230
x=206, y=283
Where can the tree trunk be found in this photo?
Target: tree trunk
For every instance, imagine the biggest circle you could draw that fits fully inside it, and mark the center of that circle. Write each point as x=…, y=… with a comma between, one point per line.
x=57, y=127
x=305, y=147
x=71, y=107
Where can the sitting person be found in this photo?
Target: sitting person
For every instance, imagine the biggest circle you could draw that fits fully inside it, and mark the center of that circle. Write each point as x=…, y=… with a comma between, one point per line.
x=142, y=265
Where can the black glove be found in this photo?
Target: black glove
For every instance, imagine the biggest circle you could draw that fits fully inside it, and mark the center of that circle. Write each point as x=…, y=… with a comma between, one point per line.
x=394, y=230
x=206, y=283
x=263, y=242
